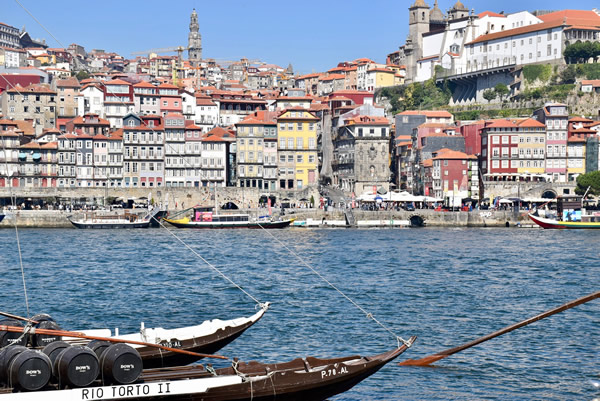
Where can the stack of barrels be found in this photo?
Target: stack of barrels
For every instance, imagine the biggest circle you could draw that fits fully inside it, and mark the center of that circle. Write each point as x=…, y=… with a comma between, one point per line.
x=63, y=365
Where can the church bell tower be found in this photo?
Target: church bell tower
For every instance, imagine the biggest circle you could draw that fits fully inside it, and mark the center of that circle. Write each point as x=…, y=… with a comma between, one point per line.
x=194, y=41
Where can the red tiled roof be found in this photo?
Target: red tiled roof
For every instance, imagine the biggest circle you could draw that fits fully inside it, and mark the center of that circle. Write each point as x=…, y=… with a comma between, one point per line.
x=584, y=131
x=594, y=82
x=50, y=145
x=192, y=127
x=584, y=19
x=531, y=123
x=218, y=131
x=144, y=84
x=428, y=163
x=35, y=88
x=71, y=82
x=8, y=122
x=117, y=82
x=428, y=58
x=579, y=17
x=447, y=154
x=579, y=120
x=502, y=124
x=490, y=14
x=213, y=138
x=30, y=145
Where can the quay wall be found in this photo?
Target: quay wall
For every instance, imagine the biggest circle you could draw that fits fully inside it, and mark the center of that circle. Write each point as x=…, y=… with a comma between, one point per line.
x=482, y=218
x=478, y=218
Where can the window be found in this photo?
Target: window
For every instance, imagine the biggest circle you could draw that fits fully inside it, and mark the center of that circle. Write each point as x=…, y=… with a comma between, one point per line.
x=291, y=143
x=299, y=143
x=299, y=126
x=299, y=158
x=495, y=139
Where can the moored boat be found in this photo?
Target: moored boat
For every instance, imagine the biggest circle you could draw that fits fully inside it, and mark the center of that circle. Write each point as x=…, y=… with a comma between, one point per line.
x=559, y=224
x=205, y=338
x=570, y=215
x=203, y=217
x=127, y=220
x=2, y=217
x=300, y=379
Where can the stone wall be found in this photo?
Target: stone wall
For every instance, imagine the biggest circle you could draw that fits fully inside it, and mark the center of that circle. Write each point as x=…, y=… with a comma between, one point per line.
x=483, y=218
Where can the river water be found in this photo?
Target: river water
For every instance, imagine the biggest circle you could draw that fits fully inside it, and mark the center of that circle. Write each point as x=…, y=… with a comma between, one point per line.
x=446, y=286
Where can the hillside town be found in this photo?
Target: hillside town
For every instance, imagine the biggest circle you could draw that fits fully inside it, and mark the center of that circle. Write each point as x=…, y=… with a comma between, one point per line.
x=73, y=118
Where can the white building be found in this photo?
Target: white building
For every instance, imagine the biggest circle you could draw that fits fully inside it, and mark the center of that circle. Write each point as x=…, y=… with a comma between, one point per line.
x=214, y=161
x=91, y=100
x=206, y=113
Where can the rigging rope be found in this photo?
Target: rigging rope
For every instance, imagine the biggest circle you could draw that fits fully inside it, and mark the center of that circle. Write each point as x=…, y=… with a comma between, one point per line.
x=261, y=304
x=368, y=315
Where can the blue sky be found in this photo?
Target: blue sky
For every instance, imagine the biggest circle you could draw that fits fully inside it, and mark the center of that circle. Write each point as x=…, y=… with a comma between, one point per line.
x=312, y=35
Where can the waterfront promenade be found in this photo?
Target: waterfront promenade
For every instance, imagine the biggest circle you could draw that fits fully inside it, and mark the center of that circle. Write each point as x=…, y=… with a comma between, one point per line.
x=432, y=218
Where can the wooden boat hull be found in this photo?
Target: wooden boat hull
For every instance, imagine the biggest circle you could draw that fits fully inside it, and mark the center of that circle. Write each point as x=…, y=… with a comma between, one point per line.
x=555, y=224
x=206, y=338
x=232, y=224
x=107, y=225
x=208, y=344
x=301, y=379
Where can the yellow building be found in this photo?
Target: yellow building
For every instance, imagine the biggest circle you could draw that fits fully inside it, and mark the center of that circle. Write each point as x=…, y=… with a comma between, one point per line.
x=575, y=156
x=297, y=150
x=531, y=147
x=380, y=78
x=46, y=59
x=256, y=142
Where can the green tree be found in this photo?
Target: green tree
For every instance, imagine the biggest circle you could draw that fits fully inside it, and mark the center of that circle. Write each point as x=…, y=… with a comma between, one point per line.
x=591, y=180
x=489, y=95
x=81, y=75
x=501, y=90
x=568, y=75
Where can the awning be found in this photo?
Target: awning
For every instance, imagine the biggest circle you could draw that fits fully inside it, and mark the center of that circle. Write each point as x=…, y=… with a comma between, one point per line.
x=37, y=156
x=22, y=155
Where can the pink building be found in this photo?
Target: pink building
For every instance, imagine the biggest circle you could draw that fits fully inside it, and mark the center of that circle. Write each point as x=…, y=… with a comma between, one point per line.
x=556, y=117
x=170, y=100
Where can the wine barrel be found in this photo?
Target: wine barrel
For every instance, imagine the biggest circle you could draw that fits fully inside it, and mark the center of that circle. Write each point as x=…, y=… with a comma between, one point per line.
x=98, y=346
x=76, y=366
x=53, y=349
x=6, y=355
x=45, y=321
x=8, y=338
x=29, y=370
x=121, y=364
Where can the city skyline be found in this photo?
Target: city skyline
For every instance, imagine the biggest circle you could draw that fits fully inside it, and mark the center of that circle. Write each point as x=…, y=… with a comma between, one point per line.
x=313, y=38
